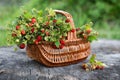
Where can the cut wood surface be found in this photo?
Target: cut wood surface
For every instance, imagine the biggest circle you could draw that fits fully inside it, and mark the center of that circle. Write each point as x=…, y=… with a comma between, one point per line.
x=18, y=66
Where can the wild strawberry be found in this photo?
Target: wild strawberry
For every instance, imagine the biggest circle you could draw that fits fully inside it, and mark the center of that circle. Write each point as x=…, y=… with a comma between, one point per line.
x=85, y=36
x=42, y=30
x=97, y=67
x=17, y=27
x=101, y=67
x=84, y=66
x=88, y=31
x=73, y=30
x=61, y=46
x=36, y=41
x=77, y=29
x=67, y=20
x=33, y=20
x=47, y=23
x=62, y=42
x=23, y=32
x=93, y=67
x=32, y=30
x=81, y=32
x=22, y=46
x=39, y=38
x=54, y=21
x=54, y=46
x=30, y=24
x=47, y=33
x=14, y=35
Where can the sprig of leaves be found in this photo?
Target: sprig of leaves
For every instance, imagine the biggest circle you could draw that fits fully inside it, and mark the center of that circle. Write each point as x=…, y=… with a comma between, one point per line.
x=93, y=64
x=34, y=26
x=87, y=32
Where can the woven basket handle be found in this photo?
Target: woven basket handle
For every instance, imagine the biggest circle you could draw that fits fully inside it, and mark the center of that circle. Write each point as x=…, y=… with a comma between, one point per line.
x=71, y=35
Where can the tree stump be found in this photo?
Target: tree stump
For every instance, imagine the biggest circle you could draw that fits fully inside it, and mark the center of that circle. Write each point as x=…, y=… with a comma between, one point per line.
x=18, y=66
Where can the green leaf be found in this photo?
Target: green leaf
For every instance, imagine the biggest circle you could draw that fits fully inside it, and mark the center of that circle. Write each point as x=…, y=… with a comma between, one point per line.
x=87, y=27
x=64, y=34
x=57, y=43
x=52, y=33
x=27, y=15
x=59, y=21
x=51, y=12
x=92, y=58
x=28, y=37
x=91, y=38
x=52, y=39
x=46, y=38
x=40, y=13
x=100, y=63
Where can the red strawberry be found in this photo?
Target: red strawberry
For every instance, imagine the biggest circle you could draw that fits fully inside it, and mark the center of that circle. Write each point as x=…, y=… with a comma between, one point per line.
x=62, y=42
x=81, y=32
x=77, y=29
x=84, y=66
x=97, y=67
x=23, y=32
x=88, y=31
x=30, y=24
x=85, y=36
x=14, y=35
x=36, y=41
x=17, y=27
x=54, y=46
x=67, y=20
x=32, y=30
x=39, y=38
x=47, y=33
x=101, y=67
x=61, y=46
x=47, y=23
x=33, y=20
x=42, y=30
x=73, y=30
x=22, y=46
x=54, y=21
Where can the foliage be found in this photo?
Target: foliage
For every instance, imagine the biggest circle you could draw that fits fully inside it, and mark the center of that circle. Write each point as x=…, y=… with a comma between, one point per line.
x=87, y=32
x=93, y=64
x=36, y=26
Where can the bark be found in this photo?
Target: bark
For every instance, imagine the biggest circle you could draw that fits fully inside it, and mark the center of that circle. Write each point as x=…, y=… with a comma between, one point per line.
x=18, y=66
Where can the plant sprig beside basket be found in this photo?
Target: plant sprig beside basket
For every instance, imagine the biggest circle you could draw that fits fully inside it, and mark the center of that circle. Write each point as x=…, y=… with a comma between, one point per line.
x=37, y=26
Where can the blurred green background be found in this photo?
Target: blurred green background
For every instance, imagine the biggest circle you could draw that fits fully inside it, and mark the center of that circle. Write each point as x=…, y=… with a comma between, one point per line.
x=105, y=14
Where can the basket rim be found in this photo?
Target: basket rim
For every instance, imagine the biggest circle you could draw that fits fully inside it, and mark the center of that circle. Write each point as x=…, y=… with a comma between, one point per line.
x=66, y=42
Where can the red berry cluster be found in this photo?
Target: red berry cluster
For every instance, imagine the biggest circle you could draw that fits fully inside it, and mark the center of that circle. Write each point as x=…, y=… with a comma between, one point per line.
x=93, y=64
x=92, y=67
x=36, y=29
x=23, y=32
x=39, y=38
x=83, y=33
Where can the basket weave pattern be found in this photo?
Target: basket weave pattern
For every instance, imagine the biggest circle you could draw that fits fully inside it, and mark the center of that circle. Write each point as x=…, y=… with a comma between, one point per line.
x=74, y=50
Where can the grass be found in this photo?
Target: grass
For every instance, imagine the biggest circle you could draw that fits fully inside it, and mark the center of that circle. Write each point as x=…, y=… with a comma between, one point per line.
x=3, y=37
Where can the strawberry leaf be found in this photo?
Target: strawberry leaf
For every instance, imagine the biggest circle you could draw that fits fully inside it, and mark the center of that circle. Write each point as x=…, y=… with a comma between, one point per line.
x=57, y=43
x=92, y=59
x=92, y=38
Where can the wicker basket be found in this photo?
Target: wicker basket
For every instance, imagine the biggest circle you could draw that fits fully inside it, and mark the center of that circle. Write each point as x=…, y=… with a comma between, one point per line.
x=74, y=51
